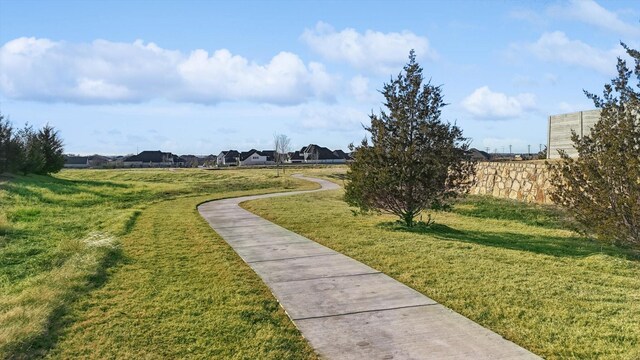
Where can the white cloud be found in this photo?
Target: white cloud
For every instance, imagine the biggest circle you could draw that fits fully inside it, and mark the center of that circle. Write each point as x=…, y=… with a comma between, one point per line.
x=223, y=76
x=557, y=47
x=105, y=72
x=529, y=16
x=372, y=50
x=590, y=12
x=565, y=107
x=361, y=91
x=528, y=81
x=486, y=104
x=337, y=118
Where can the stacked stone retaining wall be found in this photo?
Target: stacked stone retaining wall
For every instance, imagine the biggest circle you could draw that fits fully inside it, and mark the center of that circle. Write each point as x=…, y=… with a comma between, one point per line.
x=524, y=181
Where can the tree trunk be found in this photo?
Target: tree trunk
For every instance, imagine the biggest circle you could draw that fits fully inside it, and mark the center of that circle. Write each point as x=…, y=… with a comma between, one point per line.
x=407, y=217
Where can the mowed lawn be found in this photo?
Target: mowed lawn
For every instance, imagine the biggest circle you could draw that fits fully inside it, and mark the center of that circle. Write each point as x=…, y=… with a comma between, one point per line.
x=119, y=264
x=514, y=268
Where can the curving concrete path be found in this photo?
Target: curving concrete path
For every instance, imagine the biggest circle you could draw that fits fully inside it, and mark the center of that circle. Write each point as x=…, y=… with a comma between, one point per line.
x=346, y=309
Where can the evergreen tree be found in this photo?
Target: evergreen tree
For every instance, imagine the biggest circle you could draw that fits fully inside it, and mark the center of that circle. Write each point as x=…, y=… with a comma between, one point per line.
x=601, y=187
x=51, y=148
x=32, y=160
x=6, y=137
x=415, y=161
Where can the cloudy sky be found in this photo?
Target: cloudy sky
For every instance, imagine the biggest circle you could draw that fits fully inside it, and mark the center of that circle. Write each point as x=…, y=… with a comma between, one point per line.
x=198, y=77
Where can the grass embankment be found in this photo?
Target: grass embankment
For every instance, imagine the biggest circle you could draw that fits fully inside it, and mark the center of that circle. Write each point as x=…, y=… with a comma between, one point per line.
x=513, y=268
x=62, y=237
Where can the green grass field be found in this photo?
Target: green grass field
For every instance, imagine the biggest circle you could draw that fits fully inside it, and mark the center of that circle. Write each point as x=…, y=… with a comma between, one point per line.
x=119, y=263
x=513, y=268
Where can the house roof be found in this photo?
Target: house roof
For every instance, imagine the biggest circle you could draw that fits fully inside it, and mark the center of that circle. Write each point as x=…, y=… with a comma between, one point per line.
x=230, y=155
x=245, y=154
x=97, y=157
x=296, y=156
x=478, y=154
x=319, y=153
x=341, y=154
x=150, y=156
x=76, y=160
x=269, y=154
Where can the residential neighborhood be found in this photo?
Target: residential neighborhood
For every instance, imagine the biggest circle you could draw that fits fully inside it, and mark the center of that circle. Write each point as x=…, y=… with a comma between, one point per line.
x=310, y=154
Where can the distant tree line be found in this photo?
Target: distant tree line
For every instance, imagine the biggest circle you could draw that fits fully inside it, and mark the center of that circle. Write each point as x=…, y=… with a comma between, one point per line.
x=28, y=151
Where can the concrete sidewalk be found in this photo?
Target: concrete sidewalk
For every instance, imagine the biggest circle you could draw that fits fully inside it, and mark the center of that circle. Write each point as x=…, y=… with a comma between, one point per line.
x=345, y=309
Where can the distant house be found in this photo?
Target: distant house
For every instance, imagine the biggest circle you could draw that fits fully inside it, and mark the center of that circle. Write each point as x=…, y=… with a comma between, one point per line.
x=478, y=155
x=296, y=157
x=96, y=161
x=315, y=154
x=255, y=157
x=209, y=160
x=76, y=162
x=342, y=155
x=179, y=161
x=191, y=160
x=228, y=158
x=271, y=155
x=118, y=161
x=199, y=161
x=153, y=159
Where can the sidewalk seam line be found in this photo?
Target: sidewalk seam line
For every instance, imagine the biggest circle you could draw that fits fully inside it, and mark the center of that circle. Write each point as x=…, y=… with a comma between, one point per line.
x=328, y=277
x=293, y=258
x=363, y=312
x=245, y=226
x=269, y=244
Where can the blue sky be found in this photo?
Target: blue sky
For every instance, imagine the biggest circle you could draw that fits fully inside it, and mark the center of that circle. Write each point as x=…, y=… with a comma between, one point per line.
x=198, y=77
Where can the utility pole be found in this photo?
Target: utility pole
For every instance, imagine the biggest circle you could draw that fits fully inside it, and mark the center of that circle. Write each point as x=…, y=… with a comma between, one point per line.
x=509, y=149
x=529, y=149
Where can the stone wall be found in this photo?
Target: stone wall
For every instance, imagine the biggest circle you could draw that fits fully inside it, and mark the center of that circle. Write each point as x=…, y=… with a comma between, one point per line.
x=524, y=181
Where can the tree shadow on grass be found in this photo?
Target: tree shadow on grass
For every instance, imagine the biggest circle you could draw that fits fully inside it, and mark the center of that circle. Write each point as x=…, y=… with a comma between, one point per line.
x=60, y=319
x=573, y=246
x=65, y=185
x=9, y=234
x=488, y=207
x=342, y=177
x=20, y=185
x=128, y=226
x=30, y=186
